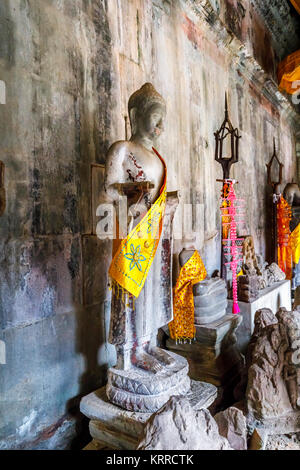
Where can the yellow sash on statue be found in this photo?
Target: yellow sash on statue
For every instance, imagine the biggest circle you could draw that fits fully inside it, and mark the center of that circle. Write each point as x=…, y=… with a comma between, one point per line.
x=182, y=327
x=134, y=256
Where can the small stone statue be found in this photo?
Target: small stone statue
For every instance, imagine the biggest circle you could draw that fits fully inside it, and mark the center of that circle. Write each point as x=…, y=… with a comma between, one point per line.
x=249, y=254
x=248, y=285
x=291, y=194
x=248, y=288
x=145, y=375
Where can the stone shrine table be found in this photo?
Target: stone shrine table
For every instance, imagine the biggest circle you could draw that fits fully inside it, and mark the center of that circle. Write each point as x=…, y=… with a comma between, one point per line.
x=274, y=297
x=117, y=429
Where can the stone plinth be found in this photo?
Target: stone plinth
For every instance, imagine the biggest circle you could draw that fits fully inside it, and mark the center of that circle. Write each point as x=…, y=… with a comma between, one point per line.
x=274, y=297
x=210, y=300
x=213, y=357
x=116, y=428
x=139, y=390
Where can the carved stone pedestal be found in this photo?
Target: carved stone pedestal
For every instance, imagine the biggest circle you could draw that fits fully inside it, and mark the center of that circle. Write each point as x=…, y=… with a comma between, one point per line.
x=138, y=390
x=213, y=357
x=115, y=428
x=210, y=300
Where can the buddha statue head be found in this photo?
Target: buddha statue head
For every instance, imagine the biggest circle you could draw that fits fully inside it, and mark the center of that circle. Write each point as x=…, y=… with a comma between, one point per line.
x=147, y=111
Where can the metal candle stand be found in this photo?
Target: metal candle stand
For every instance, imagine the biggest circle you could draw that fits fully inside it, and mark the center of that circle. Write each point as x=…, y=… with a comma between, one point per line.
x=226, y=131
x=276, y=196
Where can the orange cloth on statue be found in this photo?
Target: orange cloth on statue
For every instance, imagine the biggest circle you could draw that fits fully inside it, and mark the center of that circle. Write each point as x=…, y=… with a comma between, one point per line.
x=294, y=242
x=183, y=327
x=226, y=220
x=289, y=73
x=284, y=215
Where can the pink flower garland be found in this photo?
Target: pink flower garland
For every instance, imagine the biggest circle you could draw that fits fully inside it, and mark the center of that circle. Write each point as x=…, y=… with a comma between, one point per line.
x=231, y=250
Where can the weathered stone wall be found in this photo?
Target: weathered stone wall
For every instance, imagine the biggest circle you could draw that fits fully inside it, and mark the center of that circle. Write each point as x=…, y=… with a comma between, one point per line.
x=69, y=67
x=55, y=58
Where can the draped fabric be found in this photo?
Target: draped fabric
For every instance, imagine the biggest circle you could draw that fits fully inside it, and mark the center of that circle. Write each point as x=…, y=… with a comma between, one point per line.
x=289, y=73
x=134, y=256
x=284, y=215
x=295, y=244
x=182, y=327
x=288, y=243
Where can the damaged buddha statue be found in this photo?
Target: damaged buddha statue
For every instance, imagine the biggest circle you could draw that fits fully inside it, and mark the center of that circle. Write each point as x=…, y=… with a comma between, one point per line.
x=145, y=375
x=273, y=390
x=209, y=294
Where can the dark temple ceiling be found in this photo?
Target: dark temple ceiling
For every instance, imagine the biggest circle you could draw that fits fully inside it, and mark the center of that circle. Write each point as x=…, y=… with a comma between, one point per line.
x=283, y=22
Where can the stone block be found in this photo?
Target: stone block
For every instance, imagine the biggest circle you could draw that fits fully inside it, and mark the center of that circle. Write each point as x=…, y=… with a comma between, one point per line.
x=248, y=288
x=232, y=424
x=176, y=426
x=122, y=429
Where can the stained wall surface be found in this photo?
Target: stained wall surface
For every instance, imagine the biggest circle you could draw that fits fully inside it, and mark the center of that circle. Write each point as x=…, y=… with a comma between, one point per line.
x=69, y=67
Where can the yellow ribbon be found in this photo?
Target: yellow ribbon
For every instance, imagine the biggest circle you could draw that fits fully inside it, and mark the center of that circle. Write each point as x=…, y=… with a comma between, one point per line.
x=182, y=327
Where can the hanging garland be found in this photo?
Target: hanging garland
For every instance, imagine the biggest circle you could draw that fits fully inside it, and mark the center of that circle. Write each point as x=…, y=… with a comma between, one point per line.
x=231, y=213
